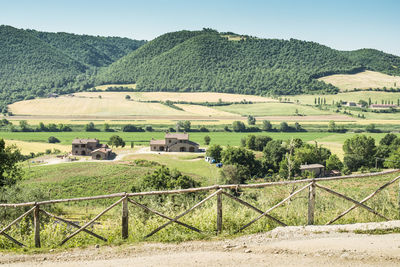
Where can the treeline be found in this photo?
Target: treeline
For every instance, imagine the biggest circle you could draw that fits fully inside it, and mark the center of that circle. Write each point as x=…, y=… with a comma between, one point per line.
x=281, y=159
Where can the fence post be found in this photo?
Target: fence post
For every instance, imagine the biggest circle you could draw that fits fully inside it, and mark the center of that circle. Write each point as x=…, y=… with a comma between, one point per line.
x=125, y=218
x=311, y=204
x=36, y=225
x=219, y=213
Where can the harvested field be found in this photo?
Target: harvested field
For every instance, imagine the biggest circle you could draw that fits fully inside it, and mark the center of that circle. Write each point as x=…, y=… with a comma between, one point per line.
x=362, y=80
x=35, y=147
x=205, y=111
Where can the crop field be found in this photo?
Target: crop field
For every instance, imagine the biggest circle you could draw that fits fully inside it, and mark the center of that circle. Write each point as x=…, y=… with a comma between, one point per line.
x=177, y=96
x=272, y=109
x=206, y=111
x=90, y=106
x=376, y=96
x=362, y=80
x=35, y=147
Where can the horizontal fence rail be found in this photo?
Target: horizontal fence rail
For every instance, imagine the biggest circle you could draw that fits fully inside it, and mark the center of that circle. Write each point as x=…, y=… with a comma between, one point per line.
x=219, y=191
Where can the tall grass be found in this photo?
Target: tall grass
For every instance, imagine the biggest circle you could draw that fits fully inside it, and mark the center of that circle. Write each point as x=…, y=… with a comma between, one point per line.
x=235, y=215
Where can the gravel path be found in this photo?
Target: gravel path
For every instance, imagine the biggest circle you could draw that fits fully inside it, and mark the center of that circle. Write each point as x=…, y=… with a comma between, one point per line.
x=288, y=246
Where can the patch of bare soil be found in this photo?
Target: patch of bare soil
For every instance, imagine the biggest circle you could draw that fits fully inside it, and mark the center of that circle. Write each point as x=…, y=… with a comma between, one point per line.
x=284, y=246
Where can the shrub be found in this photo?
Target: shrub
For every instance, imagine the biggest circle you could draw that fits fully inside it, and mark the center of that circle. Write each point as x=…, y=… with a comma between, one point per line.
x=53, y=140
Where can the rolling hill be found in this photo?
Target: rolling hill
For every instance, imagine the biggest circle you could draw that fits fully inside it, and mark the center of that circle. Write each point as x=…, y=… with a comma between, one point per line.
x=34, y=63
x=211, y=61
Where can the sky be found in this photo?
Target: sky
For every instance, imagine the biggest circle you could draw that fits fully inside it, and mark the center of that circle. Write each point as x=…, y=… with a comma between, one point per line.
x=340, y=24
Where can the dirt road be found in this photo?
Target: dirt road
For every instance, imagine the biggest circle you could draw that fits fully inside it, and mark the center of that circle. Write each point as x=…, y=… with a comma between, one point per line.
x=289, y=246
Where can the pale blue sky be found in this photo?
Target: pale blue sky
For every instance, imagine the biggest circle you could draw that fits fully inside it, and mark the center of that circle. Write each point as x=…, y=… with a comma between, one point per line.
x=340, y=24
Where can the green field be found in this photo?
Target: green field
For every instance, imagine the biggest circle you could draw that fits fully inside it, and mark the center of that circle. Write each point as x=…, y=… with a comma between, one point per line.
x=222, y=138
x=376, y=96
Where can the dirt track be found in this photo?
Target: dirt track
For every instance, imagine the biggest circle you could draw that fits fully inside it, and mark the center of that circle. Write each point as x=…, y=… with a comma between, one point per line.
x=290, y=246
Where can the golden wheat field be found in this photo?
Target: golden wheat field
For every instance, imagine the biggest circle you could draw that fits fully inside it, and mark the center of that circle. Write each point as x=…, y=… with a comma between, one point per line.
x=362, y=80
x=35, y=147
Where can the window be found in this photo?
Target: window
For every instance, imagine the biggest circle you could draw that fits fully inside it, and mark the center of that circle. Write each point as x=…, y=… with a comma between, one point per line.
x=76, y=146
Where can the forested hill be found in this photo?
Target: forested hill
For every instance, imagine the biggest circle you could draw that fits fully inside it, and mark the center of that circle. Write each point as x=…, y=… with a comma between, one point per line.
x=211, y=61
x=34, y=63
x=94, y=51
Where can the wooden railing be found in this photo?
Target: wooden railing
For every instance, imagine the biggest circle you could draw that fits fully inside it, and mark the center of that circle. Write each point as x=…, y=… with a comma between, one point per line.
x=219, y=190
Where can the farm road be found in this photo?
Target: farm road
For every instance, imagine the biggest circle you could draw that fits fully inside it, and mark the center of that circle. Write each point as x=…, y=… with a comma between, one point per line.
x=289, y=246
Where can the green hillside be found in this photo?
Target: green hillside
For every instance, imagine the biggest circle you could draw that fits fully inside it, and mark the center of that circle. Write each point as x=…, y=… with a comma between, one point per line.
x=208, y=61
x=33, y=63
x=93, y=51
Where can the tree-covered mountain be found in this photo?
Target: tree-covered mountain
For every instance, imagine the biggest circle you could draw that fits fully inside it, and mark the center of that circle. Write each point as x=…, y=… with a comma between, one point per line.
x=34, y=63
x=209, y=61
x=94, y=51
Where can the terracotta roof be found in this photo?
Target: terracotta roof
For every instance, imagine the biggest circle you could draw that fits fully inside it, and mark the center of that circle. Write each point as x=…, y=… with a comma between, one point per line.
x=84, y=141
x=311, y=166
x=157, y=142
x=102, y=150
x=179, y=136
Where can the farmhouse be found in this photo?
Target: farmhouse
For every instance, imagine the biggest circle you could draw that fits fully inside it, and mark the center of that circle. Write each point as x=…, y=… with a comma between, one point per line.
x=317, y=169
x=174, y=142
x=90, y=147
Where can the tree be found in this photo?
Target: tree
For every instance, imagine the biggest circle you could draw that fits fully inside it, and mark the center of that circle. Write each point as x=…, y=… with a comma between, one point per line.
x=333, y=163
x=116, y=141
x=238, y=126
x=164, y=178
x=128, y=97
x=90, y=127
x=332, y=126
x=185, y=125
x=273, y=154
x=10, y=170
x=251, y=120
x=214, y=151
x=310, y=154
x=207, y=140
x=260, y=142
x=107, y=127
x=234, y=174
x=393, y=161
x=267, y=126
x=298, y=127
x=53, y=140
x=388, y=139
x=251, y=142
x=240, y=156
x=359, y=151
x=131, y=128
x=23, y=124
x=284, y=127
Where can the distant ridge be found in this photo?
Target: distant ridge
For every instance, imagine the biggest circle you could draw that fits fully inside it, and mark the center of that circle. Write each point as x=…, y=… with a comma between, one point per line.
x=210, y=61
x=34, y=63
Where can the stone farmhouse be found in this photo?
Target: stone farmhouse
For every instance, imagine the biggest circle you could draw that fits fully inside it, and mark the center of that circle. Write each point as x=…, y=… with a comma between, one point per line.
x=174, y=142
x=90, y=147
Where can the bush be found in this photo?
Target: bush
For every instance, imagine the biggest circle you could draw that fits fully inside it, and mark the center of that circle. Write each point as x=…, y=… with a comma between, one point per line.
x=164, y=179
x=53, y=140
x=132, y=128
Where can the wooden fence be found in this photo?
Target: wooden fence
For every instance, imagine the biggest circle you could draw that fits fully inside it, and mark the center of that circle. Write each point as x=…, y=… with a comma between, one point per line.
x=217, y=191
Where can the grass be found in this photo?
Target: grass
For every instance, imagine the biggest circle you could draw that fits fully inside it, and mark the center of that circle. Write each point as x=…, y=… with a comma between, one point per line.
x=272, y=109
x=235, y=215
x=362, y=80
x=378, y=231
